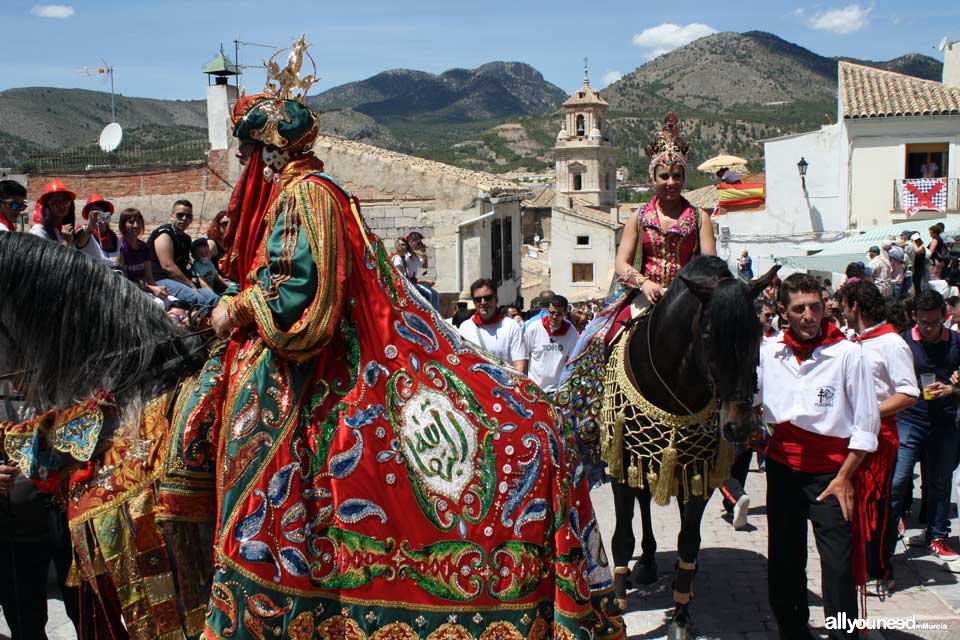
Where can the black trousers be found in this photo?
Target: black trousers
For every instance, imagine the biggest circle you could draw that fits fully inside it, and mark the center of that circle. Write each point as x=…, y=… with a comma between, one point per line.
x=791, y=501
x=624, y=541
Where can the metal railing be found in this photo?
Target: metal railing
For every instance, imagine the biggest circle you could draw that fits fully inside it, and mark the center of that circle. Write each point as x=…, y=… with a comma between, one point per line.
x=950, y=190
x=94, y=159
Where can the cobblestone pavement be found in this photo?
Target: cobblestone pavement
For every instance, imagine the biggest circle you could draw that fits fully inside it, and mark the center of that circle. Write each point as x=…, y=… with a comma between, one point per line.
x=730, y=588
x=731, y=585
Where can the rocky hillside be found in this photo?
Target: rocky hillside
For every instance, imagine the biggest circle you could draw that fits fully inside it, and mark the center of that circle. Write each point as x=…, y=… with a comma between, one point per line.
x=494, y=90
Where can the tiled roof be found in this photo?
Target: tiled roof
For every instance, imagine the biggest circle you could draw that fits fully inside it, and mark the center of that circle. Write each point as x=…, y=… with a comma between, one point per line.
x=866, y=92
x=486, y=181
x=542, y=199
x=585, y=95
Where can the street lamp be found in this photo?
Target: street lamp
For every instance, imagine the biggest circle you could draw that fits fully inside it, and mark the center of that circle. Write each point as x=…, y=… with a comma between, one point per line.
x=802, y=168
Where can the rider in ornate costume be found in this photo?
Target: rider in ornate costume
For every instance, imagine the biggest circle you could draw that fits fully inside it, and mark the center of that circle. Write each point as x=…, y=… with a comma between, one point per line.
x=657, y=242
x=363, y=489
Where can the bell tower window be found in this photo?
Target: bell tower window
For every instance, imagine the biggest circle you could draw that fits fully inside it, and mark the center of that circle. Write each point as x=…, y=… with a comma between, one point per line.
x=580, y=125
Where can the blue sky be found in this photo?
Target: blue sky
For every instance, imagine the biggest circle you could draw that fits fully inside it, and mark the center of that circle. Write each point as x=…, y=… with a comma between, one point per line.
x=157, y=48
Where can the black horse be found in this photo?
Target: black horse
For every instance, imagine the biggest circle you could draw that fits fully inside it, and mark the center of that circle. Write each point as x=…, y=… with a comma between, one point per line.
x=696, y=348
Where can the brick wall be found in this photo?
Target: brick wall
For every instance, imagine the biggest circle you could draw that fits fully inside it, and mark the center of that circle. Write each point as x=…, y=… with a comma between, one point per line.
x=153, y=191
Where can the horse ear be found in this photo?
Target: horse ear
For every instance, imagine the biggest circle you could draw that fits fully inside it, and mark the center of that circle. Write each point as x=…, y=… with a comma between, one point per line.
x=700, y=286
x=757, y=286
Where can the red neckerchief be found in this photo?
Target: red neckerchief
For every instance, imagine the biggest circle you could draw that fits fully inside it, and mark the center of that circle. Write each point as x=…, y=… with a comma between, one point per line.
x=563, y=327
x=769, y=332
x=9, y=224
x=876, y=332
x=479, y=322
x=829, y=334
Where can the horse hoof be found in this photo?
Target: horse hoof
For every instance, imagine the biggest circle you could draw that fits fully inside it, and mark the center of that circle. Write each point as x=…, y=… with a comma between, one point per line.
x=644, y=572
x=678, y=632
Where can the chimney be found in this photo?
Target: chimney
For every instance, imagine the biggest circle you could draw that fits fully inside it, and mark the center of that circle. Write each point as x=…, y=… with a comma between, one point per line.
x=951, y=64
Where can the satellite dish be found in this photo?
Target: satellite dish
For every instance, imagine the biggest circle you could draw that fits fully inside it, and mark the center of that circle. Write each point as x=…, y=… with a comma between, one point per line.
x=943, y=44
x=110, y=137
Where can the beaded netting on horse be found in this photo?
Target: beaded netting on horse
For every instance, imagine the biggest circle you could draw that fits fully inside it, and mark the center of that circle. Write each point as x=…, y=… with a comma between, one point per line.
x=649, y=447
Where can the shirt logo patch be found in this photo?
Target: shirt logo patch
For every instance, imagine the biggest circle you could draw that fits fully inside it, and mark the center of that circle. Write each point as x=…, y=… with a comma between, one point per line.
x=825, y=397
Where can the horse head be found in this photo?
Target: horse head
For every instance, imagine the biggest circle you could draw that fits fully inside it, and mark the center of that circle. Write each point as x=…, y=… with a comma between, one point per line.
x=730, y=336
x=70, y=327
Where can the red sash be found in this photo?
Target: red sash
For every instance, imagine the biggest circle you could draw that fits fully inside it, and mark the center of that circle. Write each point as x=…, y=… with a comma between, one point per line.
x=806, y=451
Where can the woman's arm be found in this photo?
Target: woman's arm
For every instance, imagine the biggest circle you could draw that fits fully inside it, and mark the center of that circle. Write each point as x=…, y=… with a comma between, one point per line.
x=623, y=264
x=708, y=244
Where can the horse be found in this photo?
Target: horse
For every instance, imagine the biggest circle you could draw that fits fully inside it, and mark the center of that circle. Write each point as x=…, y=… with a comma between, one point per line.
x=97, y=362
x=497, y=526
x=679, y=389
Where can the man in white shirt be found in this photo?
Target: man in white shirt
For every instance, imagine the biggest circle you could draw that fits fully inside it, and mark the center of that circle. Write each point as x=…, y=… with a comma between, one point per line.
x=895, y=385
x=549, y=344
x=489, y=328
x=817, y=394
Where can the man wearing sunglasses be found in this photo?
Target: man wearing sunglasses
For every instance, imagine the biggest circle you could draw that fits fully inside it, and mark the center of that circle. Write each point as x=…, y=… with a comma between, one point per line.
x=12, y=196
x=170, y=257
x=766, y=313
x=496, y=334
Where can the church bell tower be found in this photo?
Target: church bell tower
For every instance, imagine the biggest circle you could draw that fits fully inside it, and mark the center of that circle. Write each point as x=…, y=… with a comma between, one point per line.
x=585, y=157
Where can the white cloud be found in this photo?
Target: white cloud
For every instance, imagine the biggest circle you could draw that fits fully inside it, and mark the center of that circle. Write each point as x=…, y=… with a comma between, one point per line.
x=842, y=21
x=52, y=11
x=609, y=77
x=668, y=36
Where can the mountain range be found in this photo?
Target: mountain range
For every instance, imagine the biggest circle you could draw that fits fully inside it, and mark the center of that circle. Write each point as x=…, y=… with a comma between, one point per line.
x=730, y=90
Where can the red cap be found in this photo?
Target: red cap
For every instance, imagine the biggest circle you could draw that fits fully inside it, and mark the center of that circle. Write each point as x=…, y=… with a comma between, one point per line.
x=54, y=186
x=92, y=200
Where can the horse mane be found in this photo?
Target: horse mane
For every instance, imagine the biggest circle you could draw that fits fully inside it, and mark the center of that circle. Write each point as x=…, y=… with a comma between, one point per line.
x=75, y=327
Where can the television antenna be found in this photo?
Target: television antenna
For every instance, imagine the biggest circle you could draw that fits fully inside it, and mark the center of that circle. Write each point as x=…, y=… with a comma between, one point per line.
x=943, y=44
x=237, y=43
x=105, y=70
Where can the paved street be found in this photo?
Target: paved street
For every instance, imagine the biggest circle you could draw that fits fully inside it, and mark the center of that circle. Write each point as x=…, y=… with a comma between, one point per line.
x=730, y=588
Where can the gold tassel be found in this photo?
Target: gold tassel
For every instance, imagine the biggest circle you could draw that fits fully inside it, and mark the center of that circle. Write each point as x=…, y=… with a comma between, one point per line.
x=652, y=480
x=633, y=475
x=667, y=486
x=73, y=575
x=722, y=463
x=697, y=482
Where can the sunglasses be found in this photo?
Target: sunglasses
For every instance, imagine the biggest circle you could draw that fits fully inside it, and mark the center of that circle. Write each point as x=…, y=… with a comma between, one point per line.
x=486, y=298
x=769, y=315
x=59, y=201
x=184, y=216
x=14, y=206
x=224, y=223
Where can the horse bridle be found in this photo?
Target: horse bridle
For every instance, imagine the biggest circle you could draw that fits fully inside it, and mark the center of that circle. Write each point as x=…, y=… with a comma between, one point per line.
x=705, y=340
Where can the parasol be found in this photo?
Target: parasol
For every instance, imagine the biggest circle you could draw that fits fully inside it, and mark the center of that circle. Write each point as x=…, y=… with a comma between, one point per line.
x=719, y=162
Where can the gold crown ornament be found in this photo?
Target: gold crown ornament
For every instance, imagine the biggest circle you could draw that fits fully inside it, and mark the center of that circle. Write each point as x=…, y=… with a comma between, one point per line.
x=279, y=116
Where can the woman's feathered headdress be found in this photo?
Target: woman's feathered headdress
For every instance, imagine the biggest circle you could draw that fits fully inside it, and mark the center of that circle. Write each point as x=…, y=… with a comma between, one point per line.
x=668, y=148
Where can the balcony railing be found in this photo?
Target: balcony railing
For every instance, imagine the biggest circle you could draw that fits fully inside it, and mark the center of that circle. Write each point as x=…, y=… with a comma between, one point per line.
x=93, y=159
x=918, y=194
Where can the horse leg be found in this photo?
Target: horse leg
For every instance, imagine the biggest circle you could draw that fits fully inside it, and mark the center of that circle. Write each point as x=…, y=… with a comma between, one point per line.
x=688, y=546
x=623, y=542
x=645, y=571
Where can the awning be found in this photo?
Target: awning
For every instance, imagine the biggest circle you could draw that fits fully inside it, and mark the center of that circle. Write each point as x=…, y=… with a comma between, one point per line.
x=835, y=256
